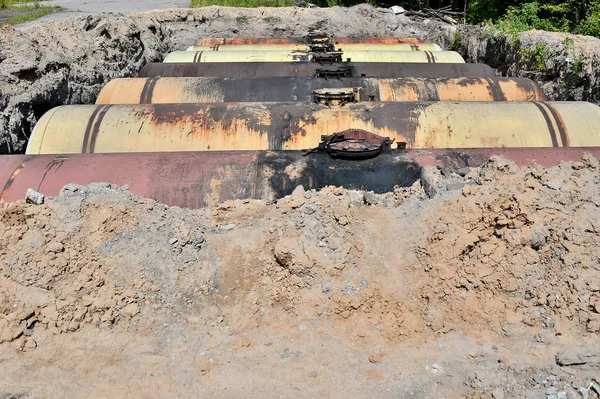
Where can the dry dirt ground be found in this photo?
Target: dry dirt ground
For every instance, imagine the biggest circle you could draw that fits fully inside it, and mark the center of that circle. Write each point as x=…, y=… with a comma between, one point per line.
x=485, y=285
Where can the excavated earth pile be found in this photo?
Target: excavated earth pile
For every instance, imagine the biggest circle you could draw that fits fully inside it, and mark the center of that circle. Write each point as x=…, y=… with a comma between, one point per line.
x=477, y=284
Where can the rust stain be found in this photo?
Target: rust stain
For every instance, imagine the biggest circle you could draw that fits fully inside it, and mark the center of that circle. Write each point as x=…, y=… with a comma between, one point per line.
x=11, y=179
x=326, y=91
x=270, y=69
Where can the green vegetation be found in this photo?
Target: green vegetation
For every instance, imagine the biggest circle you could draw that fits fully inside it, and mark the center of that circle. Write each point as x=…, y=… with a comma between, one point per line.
x=242, y=3
x=536, y=57
x=514, y=16
x=456, y=42
x=14, y=12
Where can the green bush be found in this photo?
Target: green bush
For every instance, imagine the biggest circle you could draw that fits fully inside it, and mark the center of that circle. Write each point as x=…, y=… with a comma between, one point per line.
x=525, y=17
x=589, y=27
x=551, y=15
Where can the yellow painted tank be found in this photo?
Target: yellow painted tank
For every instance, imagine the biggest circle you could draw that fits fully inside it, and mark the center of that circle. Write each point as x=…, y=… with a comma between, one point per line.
x=306, y=47
x=201, y=90
x=292, y=126
x=303, y=56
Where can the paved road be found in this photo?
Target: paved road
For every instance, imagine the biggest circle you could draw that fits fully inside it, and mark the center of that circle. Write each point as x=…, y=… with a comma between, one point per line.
x=86, y=7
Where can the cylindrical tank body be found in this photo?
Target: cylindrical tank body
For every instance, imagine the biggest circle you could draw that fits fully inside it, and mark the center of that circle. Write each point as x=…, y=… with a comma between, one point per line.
x=349, y=69
x=201, y=90
x=285, y=40
x=303, y=56
x=306, y=47
x=195, y=179
x=292, y=126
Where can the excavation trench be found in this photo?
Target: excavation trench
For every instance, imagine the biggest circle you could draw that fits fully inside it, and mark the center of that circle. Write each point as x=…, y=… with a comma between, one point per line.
x=68, y=62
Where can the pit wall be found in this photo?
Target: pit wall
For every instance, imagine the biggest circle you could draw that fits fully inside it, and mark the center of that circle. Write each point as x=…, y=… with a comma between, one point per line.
x=69, y=61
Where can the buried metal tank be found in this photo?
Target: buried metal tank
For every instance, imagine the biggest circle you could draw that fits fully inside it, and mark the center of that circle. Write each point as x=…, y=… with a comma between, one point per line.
x=201, y=90
x=346, y=69
x=296, y=126
x=326, y=58
x=195, y=179
x=237, y=41
x=310, y=47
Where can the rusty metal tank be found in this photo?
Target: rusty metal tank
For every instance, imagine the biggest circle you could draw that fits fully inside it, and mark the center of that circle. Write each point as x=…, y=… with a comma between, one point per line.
x=200, y=90
x=346, y=69
x=307, y=47
x=304, y=56
x=285, y=40
x=196, y=179
x=294, y=126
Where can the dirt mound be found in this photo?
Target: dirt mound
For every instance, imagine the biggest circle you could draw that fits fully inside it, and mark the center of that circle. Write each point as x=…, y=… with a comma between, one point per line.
x=502, y=255
x=521, y=246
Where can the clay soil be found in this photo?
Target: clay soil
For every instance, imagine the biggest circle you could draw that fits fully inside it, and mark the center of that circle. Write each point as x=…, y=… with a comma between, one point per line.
x=488, y=289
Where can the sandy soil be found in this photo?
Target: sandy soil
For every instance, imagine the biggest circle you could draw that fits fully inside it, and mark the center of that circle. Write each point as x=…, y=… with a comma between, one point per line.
x=488, y=289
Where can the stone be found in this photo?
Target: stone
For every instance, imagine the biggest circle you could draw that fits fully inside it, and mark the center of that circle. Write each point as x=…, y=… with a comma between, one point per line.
x=498, y=393
x=199, y=241
x=431, y=180
x=572, y=394
x=33, y=197
x=463, y=171
x=131, y=310
x=371, y=198
x=302, y=328
x=173, y=241
x=309, y=209
x=101, y=27
x=455, y=186
x=446, y=171
x=357, y=198
x=55, y=247
x=298, y=192
x=578, y=357
x=397, y=10
x=539, y=237
x=228, y=227
x=552, y=184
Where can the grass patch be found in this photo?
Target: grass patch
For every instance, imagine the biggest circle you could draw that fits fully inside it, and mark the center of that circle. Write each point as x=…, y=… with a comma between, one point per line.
x=13, y=12
x=35, y=13
x=242, y=3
